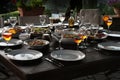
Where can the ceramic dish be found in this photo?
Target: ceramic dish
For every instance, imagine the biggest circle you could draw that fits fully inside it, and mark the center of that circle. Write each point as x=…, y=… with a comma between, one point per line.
x=24, y=55
x=37, y=43
x=68, y=55
x=112, y=45
x=12, y=42
x=114, y=34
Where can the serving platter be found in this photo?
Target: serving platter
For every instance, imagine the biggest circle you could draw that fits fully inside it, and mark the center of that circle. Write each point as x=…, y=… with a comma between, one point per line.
x=37, y=43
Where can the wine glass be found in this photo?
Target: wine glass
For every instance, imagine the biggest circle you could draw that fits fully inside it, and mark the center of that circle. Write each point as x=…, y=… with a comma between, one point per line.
x=62, y=17
x=60, y=31
x=29, y=27
x=7, y=36
x=51, y=20
x=51, y=27
x=42, y=19
x=83, y=37
x=109, y=23
x=77, y=40
x=13, y=21
x=24, y=36
x=78, y=19
x=108, y=20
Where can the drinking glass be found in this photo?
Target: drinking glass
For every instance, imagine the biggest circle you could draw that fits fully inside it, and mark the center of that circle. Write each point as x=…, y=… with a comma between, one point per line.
x=109, y=23
x=51, y=27
x=13, y=21
x=51, y=20
x=108, y=20
x=7, y=36
x=42, y=19
x=77, y=40
x=78, y=19
x=24, y=36
x=60, y=31
x=62, y=17
x=29, y=27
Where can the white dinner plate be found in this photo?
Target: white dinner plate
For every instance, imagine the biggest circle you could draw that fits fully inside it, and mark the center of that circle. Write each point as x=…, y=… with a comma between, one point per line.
x=23, y=27
x=54, y=24
x=12, y=42
x=58, y=24
x=68, y=55
x=111, y=45
x=114, y=34
x=41, y=26
x=24, y=55
x=66, y=24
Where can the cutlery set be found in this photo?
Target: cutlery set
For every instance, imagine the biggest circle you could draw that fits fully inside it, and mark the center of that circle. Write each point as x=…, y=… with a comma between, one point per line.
x=55, y=62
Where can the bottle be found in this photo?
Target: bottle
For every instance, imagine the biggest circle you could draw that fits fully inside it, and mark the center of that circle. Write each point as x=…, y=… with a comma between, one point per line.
x=71, y=19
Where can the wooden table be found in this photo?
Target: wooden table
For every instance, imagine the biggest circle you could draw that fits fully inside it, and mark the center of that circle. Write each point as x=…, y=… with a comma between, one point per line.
x=95, y=61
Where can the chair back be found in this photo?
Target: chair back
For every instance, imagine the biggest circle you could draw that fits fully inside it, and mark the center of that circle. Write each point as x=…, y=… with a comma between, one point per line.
x=22, y=20
x=115, y=24
x=92, y=16
x=1, y=22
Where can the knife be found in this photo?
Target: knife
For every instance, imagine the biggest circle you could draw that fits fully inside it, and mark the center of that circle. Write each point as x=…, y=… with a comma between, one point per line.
x=54, y=62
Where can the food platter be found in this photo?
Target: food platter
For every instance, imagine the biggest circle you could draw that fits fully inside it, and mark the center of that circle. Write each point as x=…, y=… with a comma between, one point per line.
x=37, y=43
x=101, y=35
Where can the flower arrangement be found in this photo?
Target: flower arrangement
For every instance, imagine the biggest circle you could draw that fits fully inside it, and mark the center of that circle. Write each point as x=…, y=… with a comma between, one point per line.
x=114, y=3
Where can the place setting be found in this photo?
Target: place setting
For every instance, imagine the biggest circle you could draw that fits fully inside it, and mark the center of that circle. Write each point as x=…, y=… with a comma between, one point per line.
x=25, y=57
x=65, y=57
x=110, y=45
x=6, y=40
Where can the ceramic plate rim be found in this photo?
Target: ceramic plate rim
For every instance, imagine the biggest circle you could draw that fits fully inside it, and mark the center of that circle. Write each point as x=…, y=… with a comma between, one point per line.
x=13, y=58
x=107, y=48
x=77, y=59
x=114, y=35
x=12, y=45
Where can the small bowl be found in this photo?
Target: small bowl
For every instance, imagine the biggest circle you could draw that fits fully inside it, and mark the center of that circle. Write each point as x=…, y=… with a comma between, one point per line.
x=39, y=44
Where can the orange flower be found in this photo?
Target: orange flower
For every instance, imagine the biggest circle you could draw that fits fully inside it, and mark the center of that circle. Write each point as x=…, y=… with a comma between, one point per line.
x=105, y=18
x=12, y=30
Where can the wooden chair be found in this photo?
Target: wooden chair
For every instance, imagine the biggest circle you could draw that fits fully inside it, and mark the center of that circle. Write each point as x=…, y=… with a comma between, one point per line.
x=22, y=20
x=1, y=22
x=92, y=16
x=115, y=24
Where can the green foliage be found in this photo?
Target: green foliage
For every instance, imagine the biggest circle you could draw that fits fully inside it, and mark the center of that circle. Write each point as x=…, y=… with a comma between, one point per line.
x=105, y=8
x=28, y=4
x=7, y=15
x=114, y=3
